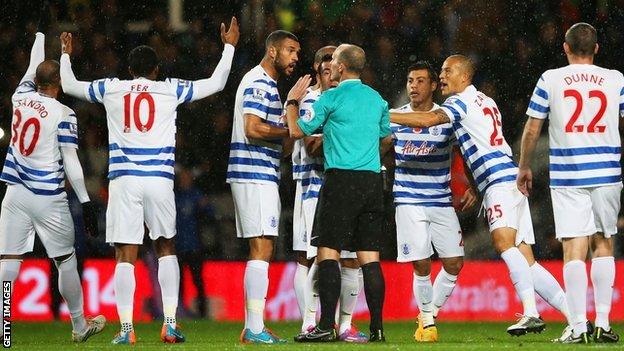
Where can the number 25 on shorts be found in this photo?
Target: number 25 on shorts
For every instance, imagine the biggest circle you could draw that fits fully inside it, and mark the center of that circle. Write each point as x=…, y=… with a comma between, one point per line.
x=493, y=213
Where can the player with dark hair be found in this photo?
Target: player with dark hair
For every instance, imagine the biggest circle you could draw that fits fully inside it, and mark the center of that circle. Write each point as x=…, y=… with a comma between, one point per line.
x=253, y=172
x=141, y=115
x=425, y=217
x=477, y=126
x=583, y=103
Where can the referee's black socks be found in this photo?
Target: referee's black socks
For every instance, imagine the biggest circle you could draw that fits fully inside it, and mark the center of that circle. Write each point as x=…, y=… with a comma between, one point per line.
x=329, y=292
x=375, y=289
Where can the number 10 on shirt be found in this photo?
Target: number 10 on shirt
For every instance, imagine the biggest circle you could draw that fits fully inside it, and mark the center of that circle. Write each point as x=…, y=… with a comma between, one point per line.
x=135, y=112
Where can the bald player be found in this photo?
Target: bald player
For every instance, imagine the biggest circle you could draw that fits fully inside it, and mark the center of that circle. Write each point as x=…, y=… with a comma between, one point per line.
x=477, y=124
x=41, y=154
x=583, y=103
x=349, y=214
x=311, y=175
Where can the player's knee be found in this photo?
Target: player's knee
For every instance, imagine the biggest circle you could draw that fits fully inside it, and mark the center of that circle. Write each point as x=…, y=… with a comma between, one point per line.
x=261, y=249
x=302, y=259
x=126, y=253
x=66, y=262
x=503, y=239
x=422, y=267
x=350, y=263
x=164, y=247
x=454, y=265
x=601, y=246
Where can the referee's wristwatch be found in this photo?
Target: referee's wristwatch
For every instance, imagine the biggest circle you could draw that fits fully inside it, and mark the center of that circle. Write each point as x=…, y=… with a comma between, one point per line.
x=294, y=102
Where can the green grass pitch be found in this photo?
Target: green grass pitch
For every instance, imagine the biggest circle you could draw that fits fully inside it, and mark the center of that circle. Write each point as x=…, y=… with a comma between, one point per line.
x=210, y=335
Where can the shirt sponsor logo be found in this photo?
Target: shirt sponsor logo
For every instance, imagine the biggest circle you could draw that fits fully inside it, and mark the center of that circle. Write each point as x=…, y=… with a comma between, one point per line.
x=419, y=150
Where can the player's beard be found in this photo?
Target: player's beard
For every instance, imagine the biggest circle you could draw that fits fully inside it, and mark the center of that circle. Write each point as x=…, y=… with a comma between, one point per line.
x=280, y=67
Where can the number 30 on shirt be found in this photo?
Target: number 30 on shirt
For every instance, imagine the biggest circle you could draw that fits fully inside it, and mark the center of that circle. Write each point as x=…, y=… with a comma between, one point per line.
x=20, y=132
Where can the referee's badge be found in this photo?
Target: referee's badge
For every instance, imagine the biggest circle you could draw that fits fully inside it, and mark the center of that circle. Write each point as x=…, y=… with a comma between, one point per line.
x=307, y=115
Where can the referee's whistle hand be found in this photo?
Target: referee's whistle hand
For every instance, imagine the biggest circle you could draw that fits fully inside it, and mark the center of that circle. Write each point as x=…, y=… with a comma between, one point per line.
x=298, y=91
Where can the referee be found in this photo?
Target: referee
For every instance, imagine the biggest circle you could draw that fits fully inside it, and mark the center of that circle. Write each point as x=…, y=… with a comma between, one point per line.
x=349, y=213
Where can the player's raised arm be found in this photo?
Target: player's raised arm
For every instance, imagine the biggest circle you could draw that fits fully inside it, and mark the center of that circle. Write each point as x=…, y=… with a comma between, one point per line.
x=37, y=53
x=206, y=87
x=420, y=119
x=70, y=84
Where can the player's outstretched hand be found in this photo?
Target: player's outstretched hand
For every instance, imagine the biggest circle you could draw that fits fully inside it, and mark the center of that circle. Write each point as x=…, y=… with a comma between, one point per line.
x=89, y=217
x=468, y=200
x=232, y=35
x=298, y=91
x=525, y=180
x=66, y=43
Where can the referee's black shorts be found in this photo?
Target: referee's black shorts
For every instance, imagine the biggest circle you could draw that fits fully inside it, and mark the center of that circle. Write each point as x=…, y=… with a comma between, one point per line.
x=349, y=213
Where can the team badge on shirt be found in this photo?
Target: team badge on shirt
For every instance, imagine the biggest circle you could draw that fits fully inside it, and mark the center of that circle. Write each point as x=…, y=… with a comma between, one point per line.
x=257, y=95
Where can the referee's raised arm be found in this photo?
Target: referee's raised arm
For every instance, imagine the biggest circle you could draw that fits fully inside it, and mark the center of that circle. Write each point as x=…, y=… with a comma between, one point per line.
x=349, y=214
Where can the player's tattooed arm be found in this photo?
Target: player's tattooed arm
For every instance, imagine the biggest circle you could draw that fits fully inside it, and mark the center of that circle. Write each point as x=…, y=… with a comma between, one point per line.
x=420, y=119
x=532, y=130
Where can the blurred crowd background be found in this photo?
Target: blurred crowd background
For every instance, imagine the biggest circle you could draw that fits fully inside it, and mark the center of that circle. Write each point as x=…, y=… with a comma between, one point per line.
x=512, y=42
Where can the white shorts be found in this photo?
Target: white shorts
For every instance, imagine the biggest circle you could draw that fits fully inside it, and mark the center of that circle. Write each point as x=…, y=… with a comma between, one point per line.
x=582, y=212
x=506, y=206
x=23, y=214
x=420, y=229
x=299, y=228
x=257, y=207
x=133, y=201
x=309, y=210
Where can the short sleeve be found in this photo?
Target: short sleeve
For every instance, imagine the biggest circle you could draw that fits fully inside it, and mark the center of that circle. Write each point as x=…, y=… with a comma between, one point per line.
x=539, y=106
x=183, y=89
x=96, y=90
x=257, y=101
x=68, y=129
x=455, y=109
x=318, y=115
x=384, y=125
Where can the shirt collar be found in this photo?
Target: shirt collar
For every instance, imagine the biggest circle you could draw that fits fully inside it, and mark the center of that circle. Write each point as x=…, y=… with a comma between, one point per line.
x=469, y=89
x=350, y=81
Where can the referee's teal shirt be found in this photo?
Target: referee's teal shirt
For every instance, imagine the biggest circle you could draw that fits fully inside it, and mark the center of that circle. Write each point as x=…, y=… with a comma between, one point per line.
x=353, y=117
